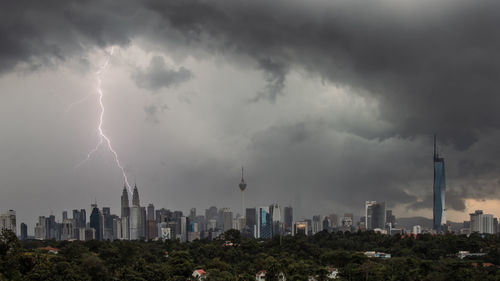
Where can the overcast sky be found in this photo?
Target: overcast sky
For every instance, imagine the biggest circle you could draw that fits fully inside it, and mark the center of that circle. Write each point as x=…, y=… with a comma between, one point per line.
x=326, y=103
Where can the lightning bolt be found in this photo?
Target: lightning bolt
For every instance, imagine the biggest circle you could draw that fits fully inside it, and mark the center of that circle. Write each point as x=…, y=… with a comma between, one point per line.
x=103, y=139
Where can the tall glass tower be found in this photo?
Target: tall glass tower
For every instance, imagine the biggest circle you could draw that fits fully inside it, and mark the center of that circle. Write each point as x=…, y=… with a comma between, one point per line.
x=439, y=191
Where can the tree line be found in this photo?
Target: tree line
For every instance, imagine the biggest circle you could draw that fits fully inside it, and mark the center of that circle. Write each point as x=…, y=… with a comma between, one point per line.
x=424, y=257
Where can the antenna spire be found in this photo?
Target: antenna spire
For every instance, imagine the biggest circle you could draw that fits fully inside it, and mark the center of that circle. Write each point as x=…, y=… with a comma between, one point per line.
x=435, y=150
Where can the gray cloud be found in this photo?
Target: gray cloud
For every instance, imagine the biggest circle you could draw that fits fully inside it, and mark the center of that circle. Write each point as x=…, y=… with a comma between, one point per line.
x=152, y=111
x=430, y=68
x=158, y=75
x=414, y=59
x=275, y=75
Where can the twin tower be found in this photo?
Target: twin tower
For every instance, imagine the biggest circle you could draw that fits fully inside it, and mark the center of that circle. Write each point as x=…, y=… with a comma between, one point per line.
x=133, y=217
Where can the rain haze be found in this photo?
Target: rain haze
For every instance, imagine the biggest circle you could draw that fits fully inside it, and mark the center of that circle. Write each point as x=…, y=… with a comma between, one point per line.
x=326, y=104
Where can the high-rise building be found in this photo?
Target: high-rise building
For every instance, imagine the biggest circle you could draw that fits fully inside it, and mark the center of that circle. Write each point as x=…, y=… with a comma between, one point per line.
x=378, y=215
x=182, y=230
x=96, y=222
x=417, y=229
x=288, y=219
x=275, y=215
x=251, y=222
x=211, y=213
x=108, y=223
x=135, y=216
x=152, y=229
x=346, y=223
x=334, y=220
x=125, y=208
x=143, y=223
x=439, y=218
x=192, y=213
x=326, y=223
x=227, y=219
x=481, y=223
x=83, y=218
x=368, y=213
x=24, y=231
x=151, y=212
x=300, y=227
x=8, y=221
x=316, y=224
x=40, y=231
x=76, y=218
x=67, y=229
x=263, y=223
x=390, y=218
x=375, y=215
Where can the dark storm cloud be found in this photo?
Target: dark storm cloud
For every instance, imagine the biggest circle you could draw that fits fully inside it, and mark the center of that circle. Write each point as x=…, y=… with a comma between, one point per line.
x=36, y=33
x=158, y=75
x=275, y=75
x=432, y=66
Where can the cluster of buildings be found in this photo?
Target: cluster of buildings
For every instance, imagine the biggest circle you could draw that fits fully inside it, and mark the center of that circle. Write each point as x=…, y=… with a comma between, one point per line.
x=137, y=222
x=481, y=223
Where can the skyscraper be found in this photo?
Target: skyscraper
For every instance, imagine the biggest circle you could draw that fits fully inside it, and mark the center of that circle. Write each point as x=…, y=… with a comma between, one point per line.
x=263, y=223
x=439, y=218
x=227, y=219
x=275, y=215
x=151, y=212
x=96, y=222
x=481, y=223
x=368, y=213
x=125, y=212
x=375, y=215
x=288, y=219
x=24, y=231
x=251, y=221
x=135, y=216
x=378, y=215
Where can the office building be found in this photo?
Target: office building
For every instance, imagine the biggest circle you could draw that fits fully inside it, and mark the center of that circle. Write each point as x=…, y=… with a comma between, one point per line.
x=481, y=223
x=368, y=213
x=375, y=215
x=300, y=228
x=151, y=212
x=227, y=219
x=288, y=219
x=96, y=222
x=8, y=221
x=24, y=231
x=417, y=229
x=334, y=220
x=275, y=214
x=317, y=225
x=67, y=229
x=263, y=223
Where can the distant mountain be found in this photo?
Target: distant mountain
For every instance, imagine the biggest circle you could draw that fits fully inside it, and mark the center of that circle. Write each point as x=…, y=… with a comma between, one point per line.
x=408, y=223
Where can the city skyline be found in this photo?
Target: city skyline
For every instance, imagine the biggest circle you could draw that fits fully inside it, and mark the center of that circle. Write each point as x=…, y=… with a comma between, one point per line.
x=326, y=104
